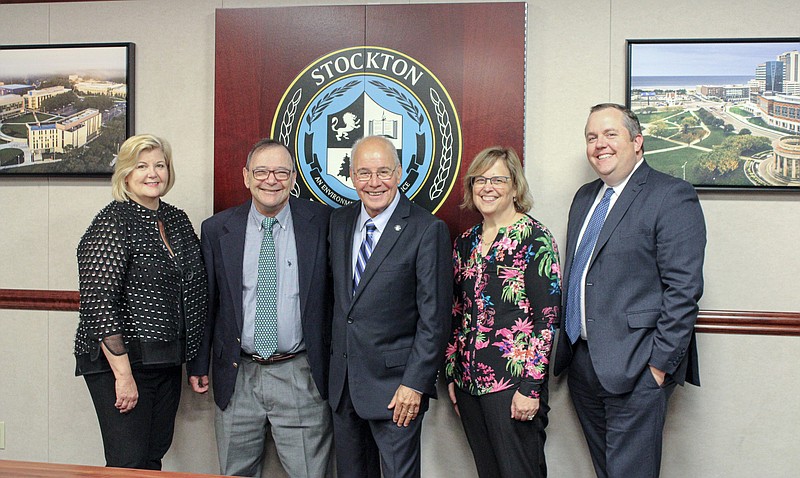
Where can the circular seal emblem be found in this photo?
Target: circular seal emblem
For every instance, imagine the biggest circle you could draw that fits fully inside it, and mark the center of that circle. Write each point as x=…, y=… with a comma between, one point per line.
x=363, y=91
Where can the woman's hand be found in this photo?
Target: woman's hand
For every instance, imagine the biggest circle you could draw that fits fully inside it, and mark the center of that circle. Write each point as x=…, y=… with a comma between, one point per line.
x=451, y=390
x=523, y=408
x=127, y=393
x=124, y=386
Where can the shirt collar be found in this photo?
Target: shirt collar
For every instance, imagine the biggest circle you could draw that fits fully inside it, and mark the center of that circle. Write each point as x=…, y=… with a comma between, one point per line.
x=382, y=219
x=621, y=186
x=282, y=217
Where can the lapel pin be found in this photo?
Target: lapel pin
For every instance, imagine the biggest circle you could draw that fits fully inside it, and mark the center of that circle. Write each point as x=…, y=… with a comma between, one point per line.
x=397, y=228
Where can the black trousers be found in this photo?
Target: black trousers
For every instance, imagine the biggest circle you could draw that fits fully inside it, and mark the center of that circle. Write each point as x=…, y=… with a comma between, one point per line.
x=623, y=431
x=141, y=437
x=503, y=447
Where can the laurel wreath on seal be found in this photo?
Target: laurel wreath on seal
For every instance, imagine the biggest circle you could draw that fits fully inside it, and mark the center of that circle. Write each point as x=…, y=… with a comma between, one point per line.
x=447, y=146
x=326, y=100
x=286, y=128
x=288, y=116
x=404, y=101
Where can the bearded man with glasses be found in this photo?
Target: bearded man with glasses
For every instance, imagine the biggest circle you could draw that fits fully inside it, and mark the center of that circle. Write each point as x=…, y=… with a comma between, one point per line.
x=268, y=332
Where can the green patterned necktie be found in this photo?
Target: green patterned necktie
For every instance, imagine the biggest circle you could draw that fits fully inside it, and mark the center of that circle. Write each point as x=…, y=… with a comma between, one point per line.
x=266, y=325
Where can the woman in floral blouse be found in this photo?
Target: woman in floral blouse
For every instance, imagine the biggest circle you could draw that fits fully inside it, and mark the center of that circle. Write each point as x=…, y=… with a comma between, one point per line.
x=507, y=300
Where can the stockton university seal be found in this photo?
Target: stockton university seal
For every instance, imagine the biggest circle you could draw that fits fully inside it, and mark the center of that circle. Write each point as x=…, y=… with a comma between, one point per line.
x=362, y=91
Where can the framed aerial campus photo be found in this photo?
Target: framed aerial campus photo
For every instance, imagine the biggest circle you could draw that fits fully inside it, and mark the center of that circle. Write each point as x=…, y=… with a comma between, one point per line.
x=719, y=113
x=64, y=109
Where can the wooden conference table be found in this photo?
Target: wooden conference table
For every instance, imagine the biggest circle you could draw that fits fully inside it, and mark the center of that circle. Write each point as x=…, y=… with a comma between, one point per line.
x=29, y=469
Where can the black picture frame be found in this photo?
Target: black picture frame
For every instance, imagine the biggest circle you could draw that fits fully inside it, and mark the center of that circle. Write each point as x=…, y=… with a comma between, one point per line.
x=720, y=113
x=64, y=108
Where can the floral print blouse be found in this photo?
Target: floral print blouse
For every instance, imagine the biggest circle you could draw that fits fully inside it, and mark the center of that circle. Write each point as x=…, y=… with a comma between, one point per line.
x=505, y=308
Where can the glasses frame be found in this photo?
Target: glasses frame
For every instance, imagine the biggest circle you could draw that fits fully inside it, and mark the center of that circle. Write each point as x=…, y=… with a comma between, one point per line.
x=494, y=180
x=272, y=172
x=357, y=175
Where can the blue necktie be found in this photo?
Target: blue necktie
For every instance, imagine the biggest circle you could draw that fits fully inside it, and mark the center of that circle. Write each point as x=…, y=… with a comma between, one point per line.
x=265, y=334
x=363, y=253
x=579, y=262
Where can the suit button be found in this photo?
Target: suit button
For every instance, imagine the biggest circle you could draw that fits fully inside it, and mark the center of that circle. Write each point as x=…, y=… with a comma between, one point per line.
x=235, y=365
x=349, y=320
x=238, y=340
x=344, y=355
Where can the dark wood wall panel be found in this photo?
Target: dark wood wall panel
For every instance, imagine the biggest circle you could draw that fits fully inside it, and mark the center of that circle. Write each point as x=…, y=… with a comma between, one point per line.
x=259, y=52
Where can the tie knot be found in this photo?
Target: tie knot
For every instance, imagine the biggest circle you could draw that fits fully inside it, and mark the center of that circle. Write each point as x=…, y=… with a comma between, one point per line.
x=268, y=222
x=608, y=193
x=371, y=228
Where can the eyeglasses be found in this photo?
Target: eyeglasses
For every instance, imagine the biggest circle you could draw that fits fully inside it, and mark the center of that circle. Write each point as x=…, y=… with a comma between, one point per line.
x=497, y=181
x=384, y=174
x=262, y=174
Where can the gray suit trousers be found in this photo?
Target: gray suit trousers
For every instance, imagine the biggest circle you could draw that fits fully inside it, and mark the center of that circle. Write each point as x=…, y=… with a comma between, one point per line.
x=283, y=400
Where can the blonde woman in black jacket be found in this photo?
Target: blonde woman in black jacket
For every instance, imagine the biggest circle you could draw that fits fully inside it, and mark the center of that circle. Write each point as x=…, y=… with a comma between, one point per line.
x=143, y=299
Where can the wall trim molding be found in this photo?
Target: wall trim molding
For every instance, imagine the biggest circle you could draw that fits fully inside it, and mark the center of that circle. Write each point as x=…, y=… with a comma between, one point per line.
x=33, y=299
x=746, y=322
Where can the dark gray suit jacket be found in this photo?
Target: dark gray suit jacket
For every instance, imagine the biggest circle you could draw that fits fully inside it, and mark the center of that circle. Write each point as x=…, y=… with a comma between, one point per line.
x=394, y=329
x=222, y=242
x=644, y=280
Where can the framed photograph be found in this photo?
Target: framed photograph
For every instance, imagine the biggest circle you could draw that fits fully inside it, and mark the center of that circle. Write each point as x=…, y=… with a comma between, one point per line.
x=719, y=113
x=64, y=109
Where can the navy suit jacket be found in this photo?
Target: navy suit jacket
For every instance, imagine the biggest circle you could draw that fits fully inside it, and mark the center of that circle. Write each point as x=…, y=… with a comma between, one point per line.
x=222, y=243
x=643, y=282
x=393, y=330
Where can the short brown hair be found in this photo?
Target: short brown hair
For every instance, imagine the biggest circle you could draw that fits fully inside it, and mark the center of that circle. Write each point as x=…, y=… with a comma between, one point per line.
x=523, y=201
x=629, y=118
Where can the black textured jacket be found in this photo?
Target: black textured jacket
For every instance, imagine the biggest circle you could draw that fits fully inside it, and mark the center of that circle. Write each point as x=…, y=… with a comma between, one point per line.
x=130, y=287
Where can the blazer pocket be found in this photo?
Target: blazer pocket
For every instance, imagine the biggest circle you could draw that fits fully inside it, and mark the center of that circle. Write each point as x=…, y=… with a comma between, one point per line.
x=396, y=358
x=643, y=319
x=636, y=232
x=395, y=266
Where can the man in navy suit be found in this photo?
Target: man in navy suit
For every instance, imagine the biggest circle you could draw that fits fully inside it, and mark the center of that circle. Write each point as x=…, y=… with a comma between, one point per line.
x=260, y=392
x=391, y=263
x=634, y=269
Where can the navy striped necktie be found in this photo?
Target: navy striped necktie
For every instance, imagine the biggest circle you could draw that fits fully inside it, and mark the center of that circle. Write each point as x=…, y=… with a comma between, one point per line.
x=579, y=262
x=363, y=253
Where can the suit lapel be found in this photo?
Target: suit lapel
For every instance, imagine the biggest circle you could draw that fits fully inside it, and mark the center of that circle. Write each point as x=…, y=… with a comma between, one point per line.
x=580, y=211
x=231, y=245
x=306, y=239
x=348, y=230
x=630, y=192
x=394, y=228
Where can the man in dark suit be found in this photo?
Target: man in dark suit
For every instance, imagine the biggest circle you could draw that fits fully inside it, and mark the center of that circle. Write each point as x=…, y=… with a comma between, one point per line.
x=391, y=262
x=634, y=268
x=268, y=375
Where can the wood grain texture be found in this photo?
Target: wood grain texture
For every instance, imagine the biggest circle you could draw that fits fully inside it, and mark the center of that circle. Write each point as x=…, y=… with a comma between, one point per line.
x=31, y=299
x=29, y=469
x=260, y=52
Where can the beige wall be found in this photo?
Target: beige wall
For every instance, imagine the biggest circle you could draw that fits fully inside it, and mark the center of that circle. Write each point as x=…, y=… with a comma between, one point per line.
x=741, y=423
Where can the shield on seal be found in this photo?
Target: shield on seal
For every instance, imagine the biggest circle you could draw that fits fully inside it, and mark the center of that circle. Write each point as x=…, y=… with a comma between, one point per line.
x=363, y=117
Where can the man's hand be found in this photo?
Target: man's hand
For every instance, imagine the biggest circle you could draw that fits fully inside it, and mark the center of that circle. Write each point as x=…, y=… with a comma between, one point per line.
x=405, y=404
x=199, y=383
x=659, y=375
